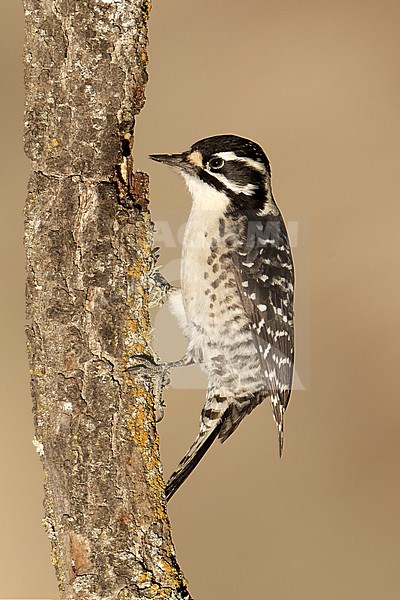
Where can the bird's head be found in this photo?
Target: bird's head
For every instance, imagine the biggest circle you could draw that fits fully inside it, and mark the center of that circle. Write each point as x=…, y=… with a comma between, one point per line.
x=225, y=171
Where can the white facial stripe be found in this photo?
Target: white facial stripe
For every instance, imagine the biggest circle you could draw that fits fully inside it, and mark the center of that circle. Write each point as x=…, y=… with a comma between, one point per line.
x=247, y=189
x=248, y=161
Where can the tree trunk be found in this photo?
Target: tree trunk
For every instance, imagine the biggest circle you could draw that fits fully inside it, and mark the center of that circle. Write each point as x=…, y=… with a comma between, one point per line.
x=88, y=243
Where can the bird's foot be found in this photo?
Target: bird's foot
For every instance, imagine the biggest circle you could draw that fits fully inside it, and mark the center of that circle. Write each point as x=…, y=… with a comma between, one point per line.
x=159, y=288
x=159, y=373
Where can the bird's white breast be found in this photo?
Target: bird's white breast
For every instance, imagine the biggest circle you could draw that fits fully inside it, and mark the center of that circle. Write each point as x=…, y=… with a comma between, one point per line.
x=202, y=227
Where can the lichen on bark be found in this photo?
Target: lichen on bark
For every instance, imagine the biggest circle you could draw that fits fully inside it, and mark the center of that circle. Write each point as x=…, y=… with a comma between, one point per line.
x=89, y=253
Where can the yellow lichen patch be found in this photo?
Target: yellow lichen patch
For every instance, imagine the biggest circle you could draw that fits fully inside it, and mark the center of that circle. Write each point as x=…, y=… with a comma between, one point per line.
x=168, y=570
x=139, y=391
x=138, y=348
x=54, y=142
x=133, y=326
x=135, y=270
x=144, y=577
x=155, y=589
x=137, y=423
x=146, y=441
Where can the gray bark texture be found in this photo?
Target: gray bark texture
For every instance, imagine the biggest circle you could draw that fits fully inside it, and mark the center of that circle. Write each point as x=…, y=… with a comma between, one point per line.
x=89, y=257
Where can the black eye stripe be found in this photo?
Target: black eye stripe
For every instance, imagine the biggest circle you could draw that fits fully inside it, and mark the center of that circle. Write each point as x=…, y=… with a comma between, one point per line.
x=239, y=172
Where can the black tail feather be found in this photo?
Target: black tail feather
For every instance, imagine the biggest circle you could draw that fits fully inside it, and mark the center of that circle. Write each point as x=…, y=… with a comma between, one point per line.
x=280, y=438
x=191, y=459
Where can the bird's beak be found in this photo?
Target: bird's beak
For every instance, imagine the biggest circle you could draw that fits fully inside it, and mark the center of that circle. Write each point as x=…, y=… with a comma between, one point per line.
x=172, y=160
x=176, y=161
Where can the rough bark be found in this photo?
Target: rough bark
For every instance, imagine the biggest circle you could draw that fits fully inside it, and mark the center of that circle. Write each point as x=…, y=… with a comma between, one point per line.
x=88, y=243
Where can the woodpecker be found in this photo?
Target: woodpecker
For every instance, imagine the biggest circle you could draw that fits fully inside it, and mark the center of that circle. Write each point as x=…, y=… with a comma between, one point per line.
x=235, y=304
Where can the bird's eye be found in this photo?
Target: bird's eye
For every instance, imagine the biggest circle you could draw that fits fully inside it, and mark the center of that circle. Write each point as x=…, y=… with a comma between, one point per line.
x=216, y=163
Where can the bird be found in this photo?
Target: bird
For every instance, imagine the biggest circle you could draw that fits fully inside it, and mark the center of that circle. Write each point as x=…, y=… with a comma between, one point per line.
x=235, y=304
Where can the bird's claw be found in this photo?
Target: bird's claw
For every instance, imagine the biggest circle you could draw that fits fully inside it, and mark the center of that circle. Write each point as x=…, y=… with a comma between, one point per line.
x=159, y=288
x=146, y=362
x=160, y=375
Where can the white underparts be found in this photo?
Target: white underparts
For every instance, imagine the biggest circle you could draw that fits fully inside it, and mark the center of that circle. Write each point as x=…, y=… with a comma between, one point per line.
x=175, y=305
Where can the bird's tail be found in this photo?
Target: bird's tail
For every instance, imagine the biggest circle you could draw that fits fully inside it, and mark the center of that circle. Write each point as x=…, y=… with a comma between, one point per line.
x=278, y=410
x=192, y=457
x=219, y=419
x=280, y=438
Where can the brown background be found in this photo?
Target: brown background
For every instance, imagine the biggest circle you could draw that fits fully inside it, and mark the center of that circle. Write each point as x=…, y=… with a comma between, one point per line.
x=316, y=84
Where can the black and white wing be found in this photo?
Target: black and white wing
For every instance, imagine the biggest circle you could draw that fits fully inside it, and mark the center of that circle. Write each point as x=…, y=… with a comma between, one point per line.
x=265, y=277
